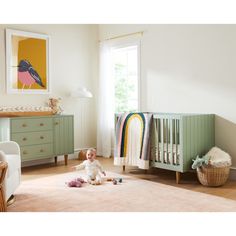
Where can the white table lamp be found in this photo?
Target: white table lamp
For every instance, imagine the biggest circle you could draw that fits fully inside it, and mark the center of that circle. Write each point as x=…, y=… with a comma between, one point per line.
x=81, y=92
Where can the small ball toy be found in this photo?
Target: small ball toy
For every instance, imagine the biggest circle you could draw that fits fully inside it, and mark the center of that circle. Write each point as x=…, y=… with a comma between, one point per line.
x=114, y=181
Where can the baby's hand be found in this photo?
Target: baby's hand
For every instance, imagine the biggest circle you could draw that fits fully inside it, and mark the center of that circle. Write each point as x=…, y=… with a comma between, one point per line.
x=104, y=173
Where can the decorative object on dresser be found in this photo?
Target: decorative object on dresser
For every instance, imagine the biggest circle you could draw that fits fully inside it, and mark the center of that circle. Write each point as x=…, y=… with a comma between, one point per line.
x=25, y=111
x=3, y=170
x=40, y=137
x=53, y=103
x=10, y=153
x=27, y=62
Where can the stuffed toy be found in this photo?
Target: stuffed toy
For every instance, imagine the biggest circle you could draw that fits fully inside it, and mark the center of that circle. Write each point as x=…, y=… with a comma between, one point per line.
x=54, y=105
x=199, y=161
x=77, y=183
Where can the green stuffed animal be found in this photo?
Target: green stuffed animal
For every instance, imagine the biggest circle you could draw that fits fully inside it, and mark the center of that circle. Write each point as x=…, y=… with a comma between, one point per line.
x=199, y=161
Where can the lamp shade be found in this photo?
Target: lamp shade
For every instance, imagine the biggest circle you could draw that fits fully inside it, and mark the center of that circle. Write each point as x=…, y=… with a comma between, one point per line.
x=81, y=92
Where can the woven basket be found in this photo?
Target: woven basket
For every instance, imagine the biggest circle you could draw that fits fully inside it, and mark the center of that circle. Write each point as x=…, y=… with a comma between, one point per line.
x=82, y=155
x=213, y=176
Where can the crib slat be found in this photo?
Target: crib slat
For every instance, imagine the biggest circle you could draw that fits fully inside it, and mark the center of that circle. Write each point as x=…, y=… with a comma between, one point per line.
x=162, y=141
x=167, y=140
x=177, y=141
x=157, y=141
x=171, y=141
x=175, y=134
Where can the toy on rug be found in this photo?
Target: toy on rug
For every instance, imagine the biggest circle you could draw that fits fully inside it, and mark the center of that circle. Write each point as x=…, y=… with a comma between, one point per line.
x=93, y=168
x=77, y=183
x=115, y=180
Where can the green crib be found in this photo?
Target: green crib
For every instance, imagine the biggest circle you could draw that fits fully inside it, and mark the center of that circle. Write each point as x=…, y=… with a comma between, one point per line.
x=178, y=138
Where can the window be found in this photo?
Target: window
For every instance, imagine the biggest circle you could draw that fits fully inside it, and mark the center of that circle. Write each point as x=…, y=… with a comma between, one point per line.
x=125, y=68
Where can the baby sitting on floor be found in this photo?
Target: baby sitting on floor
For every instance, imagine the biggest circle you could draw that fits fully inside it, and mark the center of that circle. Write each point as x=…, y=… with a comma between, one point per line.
x=92, y=167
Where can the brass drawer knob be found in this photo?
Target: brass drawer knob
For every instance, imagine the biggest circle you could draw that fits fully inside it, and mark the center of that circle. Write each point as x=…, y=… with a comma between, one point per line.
x=24, y=139
x=24, y=125
x=41, y=150
x=41, y=124
x=56, y=123
x=25, y=152
x=41, y=137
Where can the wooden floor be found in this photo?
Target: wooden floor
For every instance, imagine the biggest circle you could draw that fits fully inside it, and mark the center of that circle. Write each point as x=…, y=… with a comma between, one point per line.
x=188, y=180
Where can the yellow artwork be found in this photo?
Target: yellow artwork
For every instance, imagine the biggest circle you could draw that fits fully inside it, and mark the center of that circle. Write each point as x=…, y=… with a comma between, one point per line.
x=28, y=70
x=33, y=51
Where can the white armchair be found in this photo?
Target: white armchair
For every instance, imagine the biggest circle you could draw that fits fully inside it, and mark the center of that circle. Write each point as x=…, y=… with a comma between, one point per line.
x=10, y=153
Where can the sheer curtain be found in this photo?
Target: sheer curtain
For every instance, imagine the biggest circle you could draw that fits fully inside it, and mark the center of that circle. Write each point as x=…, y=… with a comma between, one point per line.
x=105, y=121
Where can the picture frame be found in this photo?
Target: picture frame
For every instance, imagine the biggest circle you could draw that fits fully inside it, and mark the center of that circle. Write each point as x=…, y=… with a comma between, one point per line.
x=27, y=63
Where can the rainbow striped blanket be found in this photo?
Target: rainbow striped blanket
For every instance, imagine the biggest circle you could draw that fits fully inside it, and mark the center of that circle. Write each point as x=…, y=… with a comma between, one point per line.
x=132, y=146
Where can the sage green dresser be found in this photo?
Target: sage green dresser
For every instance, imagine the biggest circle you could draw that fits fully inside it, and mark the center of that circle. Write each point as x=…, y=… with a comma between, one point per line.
x=40, y=137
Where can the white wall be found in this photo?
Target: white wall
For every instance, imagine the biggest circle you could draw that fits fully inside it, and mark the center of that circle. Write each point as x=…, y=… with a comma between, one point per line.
x=73, y=63
x=188, y=68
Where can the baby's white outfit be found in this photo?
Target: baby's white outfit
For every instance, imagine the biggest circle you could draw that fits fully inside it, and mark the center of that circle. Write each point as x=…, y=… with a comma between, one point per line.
x=92, y=168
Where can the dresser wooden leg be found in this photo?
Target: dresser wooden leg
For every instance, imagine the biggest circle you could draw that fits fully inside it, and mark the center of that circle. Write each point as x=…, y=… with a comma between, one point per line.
x=55, y=158
x=123, y=168
x=66, y=159
x=177, y=177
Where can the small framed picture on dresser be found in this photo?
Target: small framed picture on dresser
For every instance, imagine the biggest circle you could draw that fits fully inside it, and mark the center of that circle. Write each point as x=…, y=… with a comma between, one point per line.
x=27, y=62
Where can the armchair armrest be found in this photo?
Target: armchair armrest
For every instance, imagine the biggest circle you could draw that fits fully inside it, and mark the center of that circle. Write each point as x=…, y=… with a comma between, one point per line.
x=2, y=156
x=10, y=147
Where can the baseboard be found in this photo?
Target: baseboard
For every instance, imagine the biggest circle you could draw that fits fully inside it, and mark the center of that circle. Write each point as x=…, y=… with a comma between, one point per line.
x=47, y=160
x=232, y=173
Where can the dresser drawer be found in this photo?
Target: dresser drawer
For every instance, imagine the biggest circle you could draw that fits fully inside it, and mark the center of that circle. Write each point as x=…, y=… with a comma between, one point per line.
x=36, y=151
x=30, y=138
x=33, y=124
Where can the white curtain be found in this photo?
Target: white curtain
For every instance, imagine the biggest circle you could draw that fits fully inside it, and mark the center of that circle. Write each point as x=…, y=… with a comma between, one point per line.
x=105, y=121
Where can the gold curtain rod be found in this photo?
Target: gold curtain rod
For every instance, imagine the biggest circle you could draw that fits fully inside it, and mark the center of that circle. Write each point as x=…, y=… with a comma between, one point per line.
x=122, y=36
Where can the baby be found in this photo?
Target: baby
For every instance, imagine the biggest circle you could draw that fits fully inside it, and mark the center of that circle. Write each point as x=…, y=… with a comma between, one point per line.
x=92, y=167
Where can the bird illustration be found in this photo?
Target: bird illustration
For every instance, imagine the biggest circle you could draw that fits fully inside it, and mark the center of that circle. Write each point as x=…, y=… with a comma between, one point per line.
x=28, y=75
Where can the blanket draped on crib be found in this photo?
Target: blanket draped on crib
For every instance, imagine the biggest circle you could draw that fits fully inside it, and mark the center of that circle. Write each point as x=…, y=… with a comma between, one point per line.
x=132, y=146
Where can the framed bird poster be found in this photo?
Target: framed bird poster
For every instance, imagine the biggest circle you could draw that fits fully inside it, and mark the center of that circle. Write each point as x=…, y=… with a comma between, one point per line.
x=27, y=62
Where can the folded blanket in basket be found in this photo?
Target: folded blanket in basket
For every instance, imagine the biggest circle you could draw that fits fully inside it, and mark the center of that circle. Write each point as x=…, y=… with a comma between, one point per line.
x=219, y=158
x=132, y=140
